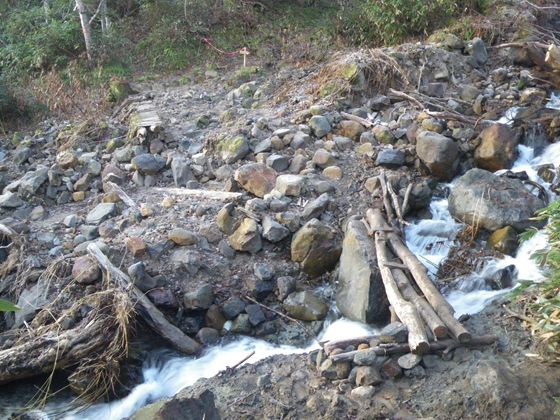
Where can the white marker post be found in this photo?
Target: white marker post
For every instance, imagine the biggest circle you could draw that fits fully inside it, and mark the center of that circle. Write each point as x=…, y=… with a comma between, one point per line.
x=245, y=52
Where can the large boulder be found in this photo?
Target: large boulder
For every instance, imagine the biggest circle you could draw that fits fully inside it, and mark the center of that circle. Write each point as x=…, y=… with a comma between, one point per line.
x=315, y=246
x=439, y=154
x=492, y=202
x=360, y=293
x=497, y=149
x=257, y=178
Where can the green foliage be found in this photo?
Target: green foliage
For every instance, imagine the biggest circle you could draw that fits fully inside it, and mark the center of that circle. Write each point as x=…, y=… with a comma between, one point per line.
x=544, y=304
x=392, y=21
x=7, y=306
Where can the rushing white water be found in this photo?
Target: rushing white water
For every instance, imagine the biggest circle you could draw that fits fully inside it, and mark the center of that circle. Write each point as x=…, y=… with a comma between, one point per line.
x=163, y=380
x=431, y=240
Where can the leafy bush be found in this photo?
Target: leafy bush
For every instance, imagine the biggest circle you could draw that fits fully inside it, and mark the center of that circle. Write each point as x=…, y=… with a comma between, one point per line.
x=392, y=21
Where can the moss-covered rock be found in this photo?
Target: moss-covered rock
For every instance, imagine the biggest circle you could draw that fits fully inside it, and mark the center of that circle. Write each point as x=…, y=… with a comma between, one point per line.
x=504, y=240
x=232, y=149
x=119, y=89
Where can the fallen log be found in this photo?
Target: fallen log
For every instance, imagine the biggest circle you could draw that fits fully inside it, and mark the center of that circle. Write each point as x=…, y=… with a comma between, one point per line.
x=442, y=345
x=417, y=339
x=152, y=315
x=208, y=194
x=359, y=120
x=432, y=320
x=431, y=293
x=329, y=346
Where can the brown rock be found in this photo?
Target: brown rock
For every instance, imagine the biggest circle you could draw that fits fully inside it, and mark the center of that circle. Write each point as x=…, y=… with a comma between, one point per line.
x=256, y=178
x=351, y=129
x=85, y=270
x=498, y=148
x=136, y=246
x=182, y=237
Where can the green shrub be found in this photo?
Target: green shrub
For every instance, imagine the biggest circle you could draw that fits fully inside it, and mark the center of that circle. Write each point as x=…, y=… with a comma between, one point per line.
x=392, y=21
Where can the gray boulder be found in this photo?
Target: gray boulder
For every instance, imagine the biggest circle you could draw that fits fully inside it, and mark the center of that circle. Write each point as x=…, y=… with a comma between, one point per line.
x=320, y=125
x=492, y=202
x=148, y=164
x=360, y=293
x=182, y=172
x=439, y=154
x=305, y=306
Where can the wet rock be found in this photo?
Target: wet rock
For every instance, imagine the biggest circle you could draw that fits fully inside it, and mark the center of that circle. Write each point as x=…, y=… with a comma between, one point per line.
x=320, y=126
x=163, y=297
x=214, y=318
x=182, y=237
x=492, y=201
x=498, y=148
x=390, y=158
x=420, y=196
x=100, y=213
x=147, y=164
x=360, y=293
x=201, y=298
x=274, y=231
x=208, y=336
x=85, y=270
x=246, y=237
x=232, y=149
x=315, y=208
x=503, y=278
x=263, y=271
x=439, y=154
x=363, y=393
x=305, y=306
x=504, y=240
x=241, y=324
x=256, y=178
x=315, y=247
x=182, y=172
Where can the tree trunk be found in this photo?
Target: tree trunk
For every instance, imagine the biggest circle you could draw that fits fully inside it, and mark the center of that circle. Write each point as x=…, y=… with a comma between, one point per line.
x=86, y=28
x=47, y=10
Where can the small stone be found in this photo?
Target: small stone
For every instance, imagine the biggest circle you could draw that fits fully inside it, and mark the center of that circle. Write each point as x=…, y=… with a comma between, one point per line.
x=182, y=237
x=390, y=158
x=101, y=213
x=274, y=231
x=397, y=331
x=168, y=202
x=383, y=134
x=256, y=315
x=372, y=184
x=365, y=357
x=290, y=185
x=85, y=270
x=333, y=172
x=391, y=369
x=70, y=221
x=278, y=162
x=285, y=285
x=233, y=307
x=351, y=129
x=79, y=196
x=208, y=336
x=363, y=393
x=323, y=159
x=256, y=178
x=409, y=360
x=181, y=170
x=67, y=160
x=140, y=277
x=315, y=208
x=241, y=324
x=246, y=237
x=214, y=318
x=368, y=375
x=201, y=298
x=10, y=200
x=320, y=126
x=148, y=164
x=136, y=246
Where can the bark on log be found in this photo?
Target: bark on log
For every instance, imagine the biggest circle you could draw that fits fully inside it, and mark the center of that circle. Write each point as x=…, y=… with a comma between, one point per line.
x=359, y=120
x=55, y=350
x=432, y=320
x=406, y=312
x=387, y=204
x=420, y=275
x=329, y=346
x=442, y=345
x=152, y=315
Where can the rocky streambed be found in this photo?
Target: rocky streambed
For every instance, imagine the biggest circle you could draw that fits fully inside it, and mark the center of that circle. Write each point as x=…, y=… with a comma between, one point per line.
x=235, y=208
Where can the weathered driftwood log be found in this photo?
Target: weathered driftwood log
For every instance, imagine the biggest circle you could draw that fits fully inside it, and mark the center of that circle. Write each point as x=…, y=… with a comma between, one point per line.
x=54, y=350
x=442, y=345
x=329, y=346
x=420, y=275
x=387, y=204
x=152, y=315
x=417, y=339
x=432, y=320
x=359, y=120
